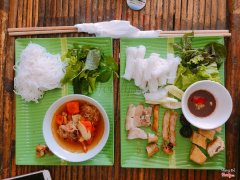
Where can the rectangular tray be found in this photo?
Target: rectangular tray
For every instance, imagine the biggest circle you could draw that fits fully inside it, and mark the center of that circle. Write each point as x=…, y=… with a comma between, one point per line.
x=133, y=152
x=30, y=115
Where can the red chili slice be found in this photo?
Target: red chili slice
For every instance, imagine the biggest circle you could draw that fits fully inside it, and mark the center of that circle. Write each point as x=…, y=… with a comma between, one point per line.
x=198, y=100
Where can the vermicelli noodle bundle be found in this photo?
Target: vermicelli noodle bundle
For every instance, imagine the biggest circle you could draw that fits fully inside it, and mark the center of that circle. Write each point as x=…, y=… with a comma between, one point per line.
x=37, y=71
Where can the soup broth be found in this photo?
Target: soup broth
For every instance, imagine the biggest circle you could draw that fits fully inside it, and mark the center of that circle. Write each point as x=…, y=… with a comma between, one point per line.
x=76, y=147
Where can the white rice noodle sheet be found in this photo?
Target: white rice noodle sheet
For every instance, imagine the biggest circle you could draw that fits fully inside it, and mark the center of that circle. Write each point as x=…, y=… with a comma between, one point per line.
x=151, y=65
x=162, y=80
x=161, y=93
x=153, y=85
x=154, y=55
x=131, y=54
x=144, y=86
x=162, y=68
x=138, y=71
x=173, y=64
x=138, y=75
x=141, y=52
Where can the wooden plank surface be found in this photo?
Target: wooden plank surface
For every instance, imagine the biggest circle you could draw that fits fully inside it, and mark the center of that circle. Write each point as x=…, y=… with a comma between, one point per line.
x=157, y=14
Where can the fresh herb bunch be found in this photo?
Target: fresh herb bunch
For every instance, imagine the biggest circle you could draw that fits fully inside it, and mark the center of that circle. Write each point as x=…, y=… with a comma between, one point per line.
x=198, y=64
x=194, y=58
x=86, y=65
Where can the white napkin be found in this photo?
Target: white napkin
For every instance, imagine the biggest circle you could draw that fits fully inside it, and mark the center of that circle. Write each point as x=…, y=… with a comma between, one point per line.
x=115, y=29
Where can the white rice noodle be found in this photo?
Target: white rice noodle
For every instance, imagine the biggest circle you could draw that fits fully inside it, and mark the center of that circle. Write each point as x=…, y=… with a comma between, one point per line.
x=141, y=52
x=174, y=62
x=144, y=86
x=148, y=68
x=153, y=85
x=131, y=55
x=150, y=73
x=138, y=72
x=154, y=55
x=37, y=71
x=161, y=93
x=161, y=69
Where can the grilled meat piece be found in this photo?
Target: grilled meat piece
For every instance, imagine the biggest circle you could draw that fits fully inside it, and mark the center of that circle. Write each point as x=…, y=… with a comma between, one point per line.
x=42, y=149
x=152, y=149
x=68, y=132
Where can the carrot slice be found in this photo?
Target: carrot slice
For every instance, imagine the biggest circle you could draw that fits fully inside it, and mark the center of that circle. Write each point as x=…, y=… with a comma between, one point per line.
x=59, y=119
x=82, y=118
x=88, y=125
x=73, y=107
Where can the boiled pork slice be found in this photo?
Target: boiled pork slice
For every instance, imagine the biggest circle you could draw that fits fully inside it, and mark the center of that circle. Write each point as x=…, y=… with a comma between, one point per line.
x=142, y=116
x=129, y=121
x=136, y=133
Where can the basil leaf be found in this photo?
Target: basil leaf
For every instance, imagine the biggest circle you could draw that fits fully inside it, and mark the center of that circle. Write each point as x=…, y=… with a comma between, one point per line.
x=80, y=86
x=176, y=46
x=187, y=41
x=92, y=81
x=216, y=51
x=105, y=74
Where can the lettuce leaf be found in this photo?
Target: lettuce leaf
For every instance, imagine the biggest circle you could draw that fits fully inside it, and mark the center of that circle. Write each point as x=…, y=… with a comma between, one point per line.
x=185, y=77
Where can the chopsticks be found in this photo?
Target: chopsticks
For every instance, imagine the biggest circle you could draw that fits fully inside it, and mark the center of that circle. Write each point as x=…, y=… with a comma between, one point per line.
x=224, y=33
x=72, y=29
x=41, y=30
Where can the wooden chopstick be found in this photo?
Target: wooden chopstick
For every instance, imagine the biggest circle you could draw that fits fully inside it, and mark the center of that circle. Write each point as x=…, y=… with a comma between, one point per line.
x=195, y=31
x=205, y=34
x=50, y=28
x=72, y=29
x=24, y=33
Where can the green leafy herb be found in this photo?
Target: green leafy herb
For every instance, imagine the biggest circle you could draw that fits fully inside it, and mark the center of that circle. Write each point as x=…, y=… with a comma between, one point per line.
x=198, y=64
x=192, y=58
x=92, y=60
x=187, y=41
x=216, y=51
x=86, y=65
x=185, y=77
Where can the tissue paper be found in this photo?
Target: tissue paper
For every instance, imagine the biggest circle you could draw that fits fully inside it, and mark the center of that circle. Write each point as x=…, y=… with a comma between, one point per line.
x=115, y=29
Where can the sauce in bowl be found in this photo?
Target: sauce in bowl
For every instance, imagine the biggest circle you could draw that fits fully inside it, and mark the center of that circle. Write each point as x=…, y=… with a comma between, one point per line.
x=201, y=103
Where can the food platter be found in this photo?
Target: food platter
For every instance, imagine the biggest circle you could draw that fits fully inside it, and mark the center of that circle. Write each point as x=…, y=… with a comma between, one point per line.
x=133, y=152
x=30, y=115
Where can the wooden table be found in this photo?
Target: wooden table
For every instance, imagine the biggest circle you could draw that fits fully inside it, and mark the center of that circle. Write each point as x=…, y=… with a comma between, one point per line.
x=157, y=14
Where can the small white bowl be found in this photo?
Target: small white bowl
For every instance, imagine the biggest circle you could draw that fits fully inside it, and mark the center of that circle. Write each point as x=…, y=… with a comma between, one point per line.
x=223, y=105
x=58, y=150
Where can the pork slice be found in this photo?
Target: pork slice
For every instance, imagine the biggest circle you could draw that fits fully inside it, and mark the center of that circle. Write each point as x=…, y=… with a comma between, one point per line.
x=152, y=149
x=142, y=116
x=152, y=138
x=146, y=115
x=172, y=128
x=138, y=114
x=136, y=133
x=165, y=125
x=69, y=132
x=129, y=121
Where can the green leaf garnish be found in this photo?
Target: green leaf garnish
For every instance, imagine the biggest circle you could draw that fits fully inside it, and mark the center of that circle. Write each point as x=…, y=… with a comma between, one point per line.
x=198, y=64
x=86, y=65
